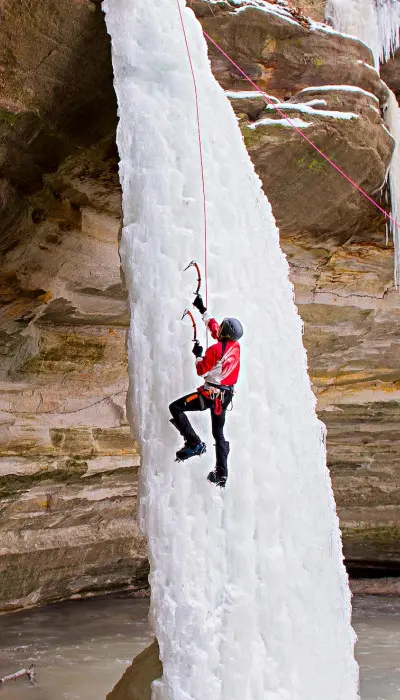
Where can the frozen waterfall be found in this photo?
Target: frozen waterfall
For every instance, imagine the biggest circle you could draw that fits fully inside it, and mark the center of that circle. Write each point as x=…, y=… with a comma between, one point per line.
x=377, y=23
x=250, y=598
x=393, y=121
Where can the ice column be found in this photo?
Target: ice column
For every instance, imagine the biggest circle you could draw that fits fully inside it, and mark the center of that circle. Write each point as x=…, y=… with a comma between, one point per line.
x=393, y=121
x=375, y=22
x=250, y=598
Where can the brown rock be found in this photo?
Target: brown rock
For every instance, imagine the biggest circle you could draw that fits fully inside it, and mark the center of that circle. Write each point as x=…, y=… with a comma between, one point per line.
x=390, y=73
x=281, y=54
x=345, y=125
x=46, y=112
x=136, y=682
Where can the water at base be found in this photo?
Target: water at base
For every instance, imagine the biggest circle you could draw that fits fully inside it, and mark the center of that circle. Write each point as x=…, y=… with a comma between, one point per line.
x=81, y=649
x=376, y=620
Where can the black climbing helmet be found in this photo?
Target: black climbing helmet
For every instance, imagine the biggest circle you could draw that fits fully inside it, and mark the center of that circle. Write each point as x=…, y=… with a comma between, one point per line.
x=231, y=329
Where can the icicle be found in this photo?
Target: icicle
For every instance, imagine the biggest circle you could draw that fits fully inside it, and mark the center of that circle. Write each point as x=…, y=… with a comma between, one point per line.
x=392, y=118
x=375, y=22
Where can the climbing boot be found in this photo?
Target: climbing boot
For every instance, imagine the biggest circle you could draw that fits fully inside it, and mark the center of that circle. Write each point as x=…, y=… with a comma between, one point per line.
x=189, y=451
x=217, y=479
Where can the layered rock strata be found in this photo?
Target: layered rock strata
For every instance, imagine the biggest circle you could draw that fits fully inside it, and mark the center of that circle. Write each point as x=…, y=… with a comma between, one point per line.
x=68, y=466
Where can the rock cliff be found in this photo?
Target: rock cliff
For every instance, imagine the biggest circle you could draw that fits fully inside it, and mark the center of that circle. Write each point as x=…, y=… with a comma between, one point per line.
x=68, y=467
x=68, y=474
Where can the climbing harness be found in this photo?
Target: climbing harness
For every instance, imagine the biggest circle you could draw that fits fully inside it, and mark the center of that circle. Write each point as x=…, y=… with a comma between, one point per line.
x=216, y=392
x=299, y=131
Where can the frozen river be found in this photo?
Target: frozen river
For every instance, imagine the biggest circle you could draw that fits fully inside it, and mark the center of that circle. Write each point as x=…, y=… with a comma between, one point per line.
x=81, y=648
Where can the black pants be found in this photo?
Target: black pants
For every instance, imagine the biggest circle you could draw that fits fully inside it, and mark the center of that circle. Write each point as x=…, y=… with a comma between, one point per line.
x=198, y=402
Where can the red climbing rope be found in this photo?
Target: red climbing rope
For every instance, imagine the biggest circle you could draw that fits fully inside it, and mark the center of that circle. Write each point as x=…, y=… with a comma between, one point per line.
x=299, y=131
x=200, y=148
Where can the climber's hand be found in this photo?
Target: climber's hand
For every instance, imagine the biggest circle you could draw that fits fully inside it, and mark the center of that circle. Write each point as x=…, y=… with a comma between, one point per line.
x=197, y=349
x=199, y=304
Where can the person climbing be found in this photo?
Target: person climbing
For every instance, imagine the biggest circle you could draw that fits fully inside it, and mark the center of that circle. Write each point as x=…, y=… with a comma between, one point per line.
x=220, y=367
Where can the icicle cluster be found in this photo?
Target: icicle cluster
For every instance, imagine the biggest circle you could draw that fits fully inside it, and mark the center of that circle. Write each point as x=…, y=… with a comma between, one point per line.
x=377, y=24
x=392, y=118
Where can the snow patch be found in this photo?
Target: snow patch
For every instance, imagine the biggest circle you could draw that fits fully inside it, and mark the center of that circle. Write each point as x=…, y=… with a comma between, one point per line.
x=306, y=109
x=280, y=122
x=316, y=103
x=368, y=65
x=249, y=95
x=339, y=88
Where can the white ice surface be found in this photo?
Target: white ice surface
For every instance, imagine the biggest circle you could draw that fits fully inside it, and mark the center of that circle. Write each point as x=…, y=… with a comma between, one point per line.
x=250, y=598
x=393, y=122
x=375, y=22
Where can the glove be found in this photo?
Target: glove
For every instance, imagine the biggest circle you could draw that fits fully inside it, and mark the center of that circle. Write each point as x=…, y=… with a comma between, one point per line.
x=199, y=304
x=197, y=349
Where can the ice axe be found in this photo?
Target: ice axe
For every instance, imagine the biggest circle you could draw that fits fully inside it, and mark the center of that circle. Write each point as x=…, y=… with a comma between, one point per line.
x=189, y=313
x=194, y=264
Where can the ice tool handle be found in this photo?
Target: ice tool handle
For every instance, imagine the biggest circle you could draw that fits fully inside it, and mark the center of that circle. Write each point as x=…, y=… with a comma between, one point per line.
x=194, y=264
x=189, y=313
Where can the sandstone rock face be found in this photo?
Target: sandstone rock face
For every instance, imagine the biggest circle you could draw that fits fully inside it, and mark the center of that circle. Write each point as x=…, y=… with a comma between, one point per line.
x=68, y=467
x=56, y=90
x=348, y=126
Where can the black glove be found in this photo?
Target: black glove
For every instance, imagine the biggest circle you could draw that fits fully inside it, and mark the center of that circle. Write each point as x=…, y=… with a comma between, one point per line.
x=199, y=304
x=197, y=349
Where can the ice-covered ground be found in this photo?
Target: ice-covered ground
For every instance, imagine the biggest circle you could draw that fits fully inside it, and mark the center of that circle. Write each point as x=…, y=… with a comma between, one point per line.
x=250, y=598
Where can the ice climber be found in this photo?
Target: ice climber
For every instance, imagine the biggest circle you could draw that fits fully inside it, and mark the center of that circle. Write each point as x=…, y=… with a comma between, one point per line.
x=220, y=367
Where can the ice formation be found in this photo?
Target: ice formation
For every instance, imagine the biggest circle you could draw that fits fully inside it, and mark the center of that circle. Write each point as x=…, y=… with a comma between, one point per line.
x=377, y=23
x=393, y=122
x=250, y=598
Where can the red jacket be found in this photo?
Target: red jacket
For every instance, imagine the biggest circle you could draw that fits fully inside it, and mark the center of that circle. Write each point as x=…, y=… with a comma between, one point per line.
x=218, y=368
